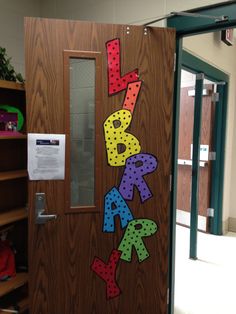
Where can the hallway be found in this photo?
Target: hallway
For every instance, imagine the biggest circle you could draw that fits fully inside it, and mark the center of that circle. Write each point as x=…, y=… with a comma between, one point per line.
x=205, y=286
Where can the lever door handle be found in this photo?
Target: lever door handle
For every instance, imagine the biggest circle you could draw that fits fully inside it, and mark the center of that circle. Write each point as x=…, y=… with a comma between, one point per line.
x=40, y=217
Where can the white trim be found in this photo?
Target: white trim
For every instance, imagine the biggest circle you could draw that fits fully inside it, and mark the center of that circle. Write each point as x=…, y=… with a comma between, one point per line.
x=183, y=218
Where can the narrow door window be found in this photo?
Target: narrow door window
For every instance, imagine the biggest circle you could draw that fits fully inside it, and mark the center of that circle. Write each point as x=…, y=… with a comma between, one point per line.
x=82, y=131
x=82, y=90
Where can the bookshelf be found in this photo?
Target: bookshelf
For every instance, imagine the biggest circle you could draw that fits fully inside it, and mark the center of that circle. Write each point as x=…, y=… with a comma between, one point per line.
x=13, y=196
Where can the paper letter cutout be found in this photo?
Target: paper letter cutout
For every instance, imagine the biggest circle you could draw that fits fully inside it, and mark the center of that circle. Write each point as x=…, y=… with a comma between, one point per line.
x=136, y=167
x=108, y=273
x=116, y=135
x=136, y=230
x=116, y=83
x=131, y=95
x=113, y=197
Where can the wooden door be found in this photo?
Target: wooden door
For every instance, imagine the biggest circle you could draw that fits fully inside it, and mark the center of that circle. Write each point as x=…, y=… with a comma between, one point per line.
x=185, y=158
x=107, y=251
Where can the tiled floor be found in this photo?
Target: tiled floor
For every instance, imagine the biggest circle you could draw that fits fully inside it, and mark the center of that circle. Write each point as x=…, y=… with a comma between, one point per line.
x=207, y=285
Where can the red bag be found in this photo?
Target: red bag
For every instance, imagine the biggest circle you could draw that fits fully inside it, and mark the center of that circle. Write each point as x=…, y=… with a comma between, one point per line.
x=7, y=260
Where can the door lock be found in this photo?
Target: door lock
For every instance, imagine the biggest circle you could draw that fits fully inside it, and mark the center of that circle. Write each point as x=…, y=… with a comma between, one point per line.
x=40, y=217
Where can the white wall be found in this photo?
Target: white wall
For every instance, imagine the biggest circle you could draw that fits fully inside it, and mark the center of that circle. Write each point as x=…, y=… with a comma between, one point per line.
x=93, y=10
x=12, y=28
x=117, y=11
x=173, y=5
x=107, y=11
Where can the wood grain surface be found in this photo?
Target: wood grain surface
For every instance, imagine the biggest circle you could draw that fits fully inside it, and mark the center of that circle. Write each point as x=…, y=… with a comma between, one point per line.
x=13, y=215
x=11, y=85
x=7, y=286
x=62, y=251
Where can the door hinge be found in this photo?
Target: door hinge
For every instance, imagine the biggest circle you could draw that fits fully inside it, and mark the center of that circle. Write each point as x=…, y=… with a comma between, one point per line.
x=174, y=62
x=168, y=296
x=212, y=156
x=215, y=97
x=210, y=212
x=170, y=182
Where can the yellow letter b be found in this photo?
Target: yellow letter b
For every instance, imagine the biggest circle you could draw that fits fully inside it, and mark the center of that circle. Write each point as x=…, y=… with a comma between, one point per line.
x=119, y=144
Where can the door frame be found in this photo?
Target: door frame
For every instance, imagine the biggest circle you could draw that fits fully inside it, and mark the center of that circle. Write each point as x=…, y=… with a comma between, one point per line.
x=196, y=65
x=188, y=26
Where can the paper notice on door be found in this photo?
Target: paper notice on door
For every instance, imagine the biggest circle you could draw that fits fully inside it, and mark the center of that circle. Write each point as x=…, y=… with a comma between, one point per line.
x=46, y=156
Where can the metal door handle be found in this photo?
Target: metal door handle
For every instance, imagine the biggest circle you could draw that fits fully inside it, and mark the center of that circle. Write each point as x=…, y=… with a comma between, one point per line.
x=40, y=218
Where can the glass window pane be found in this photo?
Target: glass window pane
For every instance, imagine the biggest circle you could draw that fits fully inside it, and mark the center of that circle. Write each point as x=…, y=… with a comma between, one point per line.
x=82, y=131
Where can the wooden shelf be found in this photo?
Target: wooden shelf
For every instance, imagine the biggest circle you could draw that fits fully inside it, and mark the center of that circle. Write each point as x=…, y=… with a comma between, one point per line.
x=22, y=304
x=14, y=137
x=18, y=281
x=11, y=85
x=10, y=175
x=13, y=215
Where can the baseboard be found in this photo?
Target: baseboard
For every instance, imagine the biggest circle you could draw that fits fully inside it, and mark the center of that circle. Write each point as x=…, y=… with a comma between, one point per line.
x=183, y=218
x=232, y=224
x=225, y=226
